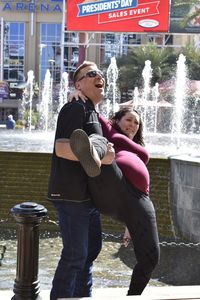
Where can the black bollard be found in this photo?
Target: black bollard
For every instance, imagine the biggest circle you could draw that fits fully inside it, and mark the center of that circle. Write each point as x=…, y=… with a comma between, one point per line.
x=28, y=216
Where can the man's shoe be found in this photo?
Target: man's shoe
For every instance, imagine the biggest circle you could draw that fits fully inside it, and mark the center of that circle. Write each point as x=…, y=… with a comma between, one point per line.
x=85, y=152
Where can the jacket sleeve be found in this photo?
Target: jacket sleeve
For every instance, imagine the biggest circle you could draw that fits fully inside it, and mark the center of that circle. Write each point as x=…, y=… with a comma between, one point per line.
x=71, y=117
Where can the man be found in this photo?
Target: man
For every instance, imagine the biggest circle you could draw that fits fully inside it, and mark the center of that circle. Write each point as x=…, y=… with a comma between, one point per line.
x=79, y=220
x=10, y=123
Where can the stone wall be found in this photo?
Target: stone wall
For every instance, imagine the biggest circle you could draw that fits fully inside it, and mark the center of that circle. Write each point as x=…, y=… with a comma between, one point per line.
x=185, y=196
x=24, y=177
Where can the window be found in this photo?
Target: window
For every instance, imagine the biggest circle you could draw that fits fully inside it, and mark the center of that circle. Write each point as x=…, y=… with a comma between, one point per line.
x=50, y=50
x=13, y=52
x=115, y=44
x=111, y=46
x=168, y=39
x=71, y=52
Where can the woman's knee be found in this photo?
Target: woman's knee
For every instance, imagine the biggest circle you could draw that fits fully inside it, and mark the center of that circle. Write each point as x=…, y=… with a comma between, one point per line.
x=155, y=256
x=148, y=257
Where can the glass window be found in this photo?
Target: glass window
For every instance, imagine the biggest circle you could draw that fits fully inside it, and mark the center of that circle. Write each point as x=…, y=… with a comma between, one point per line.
x=50, y=50
x=168, y=39
x=14, y=54
x=111, y=46
x=71, y=53
x=115, y=44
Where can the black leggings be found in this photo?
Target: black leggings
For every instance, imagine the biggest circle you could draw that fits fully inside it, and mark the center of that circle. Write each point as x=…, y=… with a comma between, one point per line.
x=115, y=196
x=140, y=219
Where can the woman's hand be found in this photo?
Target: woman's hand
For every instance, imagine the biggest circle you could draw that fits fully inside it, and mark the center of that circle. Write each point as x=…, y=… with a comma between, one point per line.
x=126, y=237
x=76, y=94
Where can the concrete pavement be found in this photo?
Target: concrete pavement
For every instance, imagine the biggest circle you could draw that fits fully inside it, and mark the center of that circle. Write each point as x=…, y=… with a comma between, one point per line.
x=150, y=293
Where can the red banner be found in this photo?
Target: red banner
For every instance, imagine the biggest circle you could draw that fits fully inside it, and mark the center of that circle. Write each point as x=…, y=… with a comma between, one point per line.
x=118, y=15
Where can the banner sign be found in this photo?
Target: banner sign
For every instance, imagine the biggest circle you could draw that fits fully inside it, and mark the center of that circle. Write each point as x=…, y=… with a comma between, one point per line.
x=4, y=90
x=179, y=12
x=118, y=15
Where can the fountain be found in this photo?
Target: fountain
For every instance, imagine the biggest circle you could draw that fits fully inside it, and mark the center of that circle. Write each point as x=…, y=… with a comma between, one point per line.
x=45, y=107
x=29, y=139
x=160, y=128
x=155, y=94
x=27, y=100
x=178, y=145
x=163, y=121
x=177, y=139
x=30, y=82
x=63, y=93
x=112, y=89
x=147, y=75
x=180, y=95
x=136, y=96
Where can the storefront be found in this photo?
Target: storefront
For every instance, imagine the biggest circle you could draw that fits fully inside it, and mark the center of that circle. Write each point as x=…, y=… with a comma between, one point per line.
x=31, y=38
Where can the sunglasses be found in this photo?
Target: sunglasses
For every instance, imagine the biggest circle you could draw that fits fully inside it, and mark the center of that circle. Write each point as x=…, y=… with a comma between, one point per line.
x=92, y=74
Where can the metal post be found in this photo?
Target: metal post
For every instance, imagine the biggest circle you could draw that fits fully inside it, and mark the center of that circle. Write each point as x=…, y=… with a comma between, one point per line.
x=28, y=216
x=83, y=44
x=1, y=49
x=62, y=39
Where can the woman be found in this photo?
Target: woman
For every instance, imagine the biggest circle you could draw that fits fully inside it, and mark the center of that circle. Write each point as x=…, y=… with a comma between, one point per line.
x=128, y=122
x=126, y=197
x=125, y=132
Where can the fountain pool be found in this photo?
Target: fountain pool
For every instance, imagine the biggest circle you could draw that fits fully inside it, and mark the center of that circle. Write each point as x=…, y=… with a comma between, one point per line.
x=179, y=265
x=25, y=141
x=163, y=145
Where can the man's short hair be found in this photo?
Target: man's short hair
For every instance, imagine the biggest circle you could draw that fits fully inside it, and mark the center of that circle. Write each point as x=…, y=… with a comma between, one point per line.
x=81, y=67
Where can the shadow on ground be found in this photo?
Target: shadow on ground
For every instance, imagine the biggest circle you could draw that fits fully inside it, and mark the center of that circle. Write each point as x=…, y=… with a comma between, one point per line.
x=179, y=265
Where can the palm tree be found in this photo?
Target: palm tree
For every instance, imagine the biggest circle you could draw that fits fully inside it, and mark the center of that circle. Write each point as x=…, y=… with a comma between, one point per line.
x=193, y=61
x=189, y=3
x=131, y=66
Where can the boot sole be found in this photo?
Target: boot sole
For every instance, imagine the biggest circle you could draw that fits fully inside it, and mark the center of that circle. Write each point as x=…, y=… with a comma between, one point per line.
x=81, y=147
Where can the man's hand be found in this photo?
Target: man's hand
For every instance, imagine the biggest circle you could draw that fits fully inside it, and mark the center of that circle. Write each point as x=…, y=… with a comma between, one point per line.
x=110, y=155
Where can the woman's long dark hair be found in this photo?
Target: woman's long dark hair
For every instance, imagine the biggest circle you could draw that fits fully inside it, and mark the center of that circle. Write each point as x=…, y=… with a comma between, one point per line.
x=138, y=138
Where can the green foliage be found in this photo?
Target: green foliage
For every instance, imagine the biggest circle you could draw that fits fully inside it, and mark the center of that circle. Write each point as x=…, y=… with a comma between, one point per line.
x=189, y=16
x=163, y=64
x=163, y=61
x=25, y=121
x=19, y=124
x=193, y=61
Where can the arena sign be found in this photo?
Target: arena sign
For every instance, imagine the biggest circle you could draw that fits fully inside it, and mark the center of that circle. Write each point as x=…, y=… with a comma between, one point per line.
x=31, y=6
x=118, y=15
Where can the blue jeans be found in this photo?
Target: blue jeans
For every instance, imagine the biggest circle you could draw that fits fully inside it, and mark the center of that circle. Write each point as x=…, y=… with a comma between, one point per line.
x=81, y=235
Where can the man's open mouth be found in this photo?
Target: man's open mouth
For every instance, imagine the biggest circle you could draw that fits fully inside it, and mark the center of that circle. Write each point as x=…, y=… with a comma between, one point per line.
x=99, y=85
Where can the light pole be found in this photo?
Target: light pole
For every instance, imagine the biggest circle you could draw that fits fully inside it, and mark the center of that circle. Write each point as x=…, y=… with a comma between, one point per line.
x=52, y=67
x=41, y=46
x=62, y=39
x=1, y=50
x=30, y=82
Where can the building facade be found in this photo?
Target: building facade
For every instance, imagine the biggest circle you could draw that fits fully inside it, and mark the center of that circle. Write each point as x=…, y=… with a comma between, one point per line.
x=33, y=37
